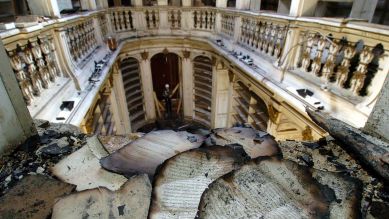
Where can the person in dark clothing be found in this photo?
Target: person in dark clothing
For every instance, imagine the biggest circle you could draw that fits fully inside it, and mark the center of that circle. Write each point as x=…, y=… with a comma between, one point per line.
x=168, y=102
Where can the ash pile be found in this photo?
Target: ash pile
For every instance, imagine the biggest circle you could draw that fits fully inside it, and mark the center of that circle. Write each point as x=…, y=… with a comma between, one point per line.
x=235, y=172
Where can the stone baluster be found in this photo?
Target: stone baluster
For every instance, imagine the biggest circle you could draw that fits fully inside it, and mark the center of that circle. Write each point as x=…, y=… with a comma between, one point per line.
x=316, y=64
x=32, y=71
x=42, y=69
x=127, y=19
x=328, y=68
x=50, y=59
x=194, y=18
x=24, y=83
x=343, y=69
x=148, y=19
x=359, y=76
x=114, y=20
x=200, y=19
x=271, y=39
x=279, y=41
x=208, y=20
x=306, y=57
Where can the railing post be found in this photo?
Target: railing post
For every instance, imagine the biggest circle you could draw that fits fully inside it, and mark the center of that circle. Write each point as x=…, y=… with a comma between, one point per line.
x=291, y=48
x=147, y=83
x=218, y=22
x=187, y=84
x=237, y=28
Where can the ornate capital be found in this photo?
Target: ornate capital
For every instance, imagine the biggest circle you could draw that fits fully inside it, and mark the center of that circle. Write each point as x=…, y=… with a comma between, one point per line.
x=144, y=55
x=186, y=54
x=307, y=134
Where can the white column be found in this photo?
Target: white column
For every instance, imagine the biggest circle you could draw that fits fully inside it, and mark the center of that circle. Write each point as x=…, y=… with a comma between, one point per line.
x=284, y=6
x=242, y=4
x=220, y=97
x=303, y=7
x=186, y=3
x=16, y=124
x=363, y=9
x=44, y=7
x=122, y=118
x=162, y=2
x=221, y=3
x=255, y=5
x=147, y=85
x=187, y=84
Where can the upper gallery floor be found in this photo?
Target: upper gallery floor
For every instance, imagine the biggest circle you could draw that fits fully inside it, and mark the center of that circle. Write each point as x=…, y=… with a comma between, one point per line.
x=335, y=64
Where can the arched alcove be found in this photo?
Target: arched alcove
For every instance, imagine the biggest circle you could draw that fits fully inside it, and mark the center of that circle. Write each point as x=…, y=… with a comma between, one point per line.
x=202, y=74
x=165, y=68
x=132, y=85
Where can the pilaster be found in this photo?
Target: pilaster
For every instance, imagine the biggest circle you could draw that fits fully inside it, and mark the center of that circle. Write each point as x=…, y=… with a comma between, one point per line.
x=220, y=96
x=187, y=84
x=122, y=118
x=147, y=84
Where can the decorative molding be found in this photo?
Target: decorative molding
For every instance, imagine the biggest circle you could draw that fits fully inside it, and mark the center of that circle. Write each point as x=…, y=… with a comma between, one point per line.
x=144, y=55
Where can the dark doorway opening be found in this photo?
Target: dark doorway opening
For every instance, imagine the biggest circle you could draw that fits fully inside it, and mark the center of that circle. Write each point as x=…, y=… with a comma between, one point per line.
x=165, y=68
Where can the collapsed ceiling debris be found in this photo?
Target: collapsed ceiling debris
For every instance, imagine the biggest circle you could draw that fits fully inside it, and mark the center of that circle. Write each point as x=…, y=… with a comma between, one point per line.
x=131, y=200
x=180, y=181
x=145, y=154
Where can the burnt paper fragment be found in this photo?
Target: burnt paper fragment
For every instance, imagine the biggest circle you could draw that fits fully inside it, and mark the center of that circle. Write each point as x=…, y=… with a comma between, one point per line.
x=82, y=168
x=131, y=201
x=145, y=154
x=182, y=179
x=265, y=188
x=255, y=143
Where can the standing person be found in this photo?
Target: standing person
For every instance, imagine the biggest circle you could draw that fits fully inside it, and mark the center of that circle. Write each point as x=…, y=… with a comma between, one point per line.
x=168, y=101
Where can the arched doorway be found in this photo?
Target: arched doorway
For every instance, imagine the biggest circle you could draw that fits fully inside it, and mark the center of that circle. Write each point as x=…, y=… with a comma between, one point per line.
x=165, y=68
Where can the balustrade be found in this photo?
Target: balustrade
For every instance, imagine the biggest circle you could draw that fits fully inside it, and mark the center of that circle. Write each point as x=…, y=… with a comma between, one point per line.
x=81, y=39
x=152, y=18
x=175, y=18
x=228, y=25
x=263, y=35
x=35, y=66
x=122, y=19
x=103, y=25
x=337, y=57
x=346, y=64
x=204, y=19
